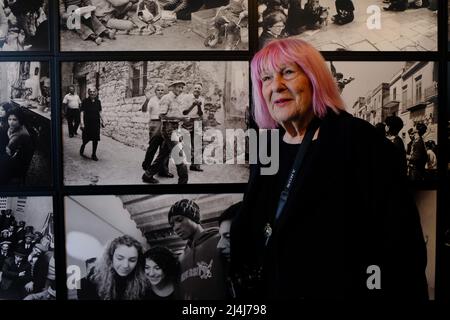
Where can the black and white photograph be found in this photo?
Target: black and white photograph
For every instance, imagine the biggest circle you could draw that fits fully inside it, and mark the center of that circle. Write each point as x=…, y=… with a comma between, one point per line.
x=152, y=25
x=346, y=25
x=25, y=124
x=27, y=246
x=149, y=247
x=24, y=25
x=401, y=100
x=150, y=122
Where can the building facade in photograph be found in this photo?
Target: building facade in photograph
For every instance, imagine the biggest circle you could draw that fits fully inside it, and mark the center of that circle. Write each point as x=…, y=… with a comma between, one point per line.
x=411, y=94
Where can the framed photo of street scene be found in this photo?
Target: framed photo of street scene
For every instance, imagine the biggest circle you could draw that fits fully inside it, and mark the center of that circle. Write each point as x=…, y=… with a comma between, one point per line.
x=138, y=114
x=153, y=25
x=25, y=125
x=346, y=25
x=401, y=100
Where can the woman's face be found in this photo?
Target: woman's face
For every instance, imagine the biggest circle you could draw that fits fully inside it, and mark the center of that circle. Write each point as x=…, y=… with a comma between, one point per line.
x=277, y=28
x=92, y=94
x=153, y=272
x=287, y=93
x=2, y=112
x=125, y=260
x=13, y=122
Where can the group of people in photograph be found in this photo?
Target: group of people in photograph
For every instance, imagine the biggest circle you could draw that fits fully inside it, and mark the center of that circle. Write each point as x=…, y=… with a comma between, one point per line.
x=420, y=160
x=285, y=18
x=172, y=114
x=168, y=114
x=23, y=25
x=126, y=272
x=402, y=5
x=27, y=264
x=103, y=17
x=96, y=20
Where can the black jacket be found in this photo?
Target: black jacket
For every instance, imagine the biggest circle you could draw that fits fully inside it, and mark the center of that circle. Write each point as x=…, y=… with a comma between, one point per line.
x=10, y=275
x=349, y=209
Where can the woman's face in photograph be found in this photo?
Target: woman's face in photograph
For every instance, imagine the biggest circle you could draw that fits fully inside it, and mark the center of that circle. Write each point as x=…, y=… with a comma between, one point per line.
x=287, y=92
x=2, y=112
x=125, y=260
x=92, y=94
x=153, y=272
x=277, y=28
x=13, y=122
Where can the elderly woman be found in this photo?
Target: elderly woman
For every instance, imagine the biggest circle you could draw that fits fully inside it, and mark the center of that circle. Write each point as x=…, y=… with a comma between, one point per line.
x=162, y=271
x=119, y=275
x=91, y=118
x=336, y=217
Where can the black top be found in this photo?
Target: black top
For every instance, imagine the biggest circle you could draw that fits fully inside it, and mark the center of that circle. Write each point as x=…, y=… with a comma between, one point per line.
x=3, y=137
x=91, y=116
x=288, y=152
x=89, y=288
x=346, y=5
x=151, y=295
x=350, y=209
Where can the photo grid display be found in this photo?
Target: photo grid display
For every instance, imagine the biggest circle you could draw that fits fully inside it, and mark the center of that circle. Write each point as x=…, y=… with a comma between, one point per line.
x=93, y=142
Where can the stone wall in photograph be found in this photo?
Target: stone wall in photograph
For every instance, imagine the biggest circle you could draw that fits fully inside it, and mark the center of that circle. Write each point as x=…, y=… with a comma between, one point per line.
x=125, y=122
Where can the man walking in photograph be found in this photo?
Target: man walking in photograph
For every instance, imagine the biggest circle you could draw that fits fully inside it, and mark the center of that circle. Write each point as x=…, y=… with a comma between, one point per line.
x=71, y=105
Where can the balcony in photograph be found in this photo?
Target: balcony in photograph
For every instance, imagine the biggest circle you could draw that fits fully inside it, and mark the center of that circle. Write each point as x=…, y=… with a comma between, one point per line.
x=431, y=93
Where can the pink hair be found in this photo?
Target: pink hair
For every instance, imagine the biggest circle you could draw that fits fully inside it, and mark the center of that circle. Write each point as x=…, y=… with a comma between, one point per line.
x=276, y=53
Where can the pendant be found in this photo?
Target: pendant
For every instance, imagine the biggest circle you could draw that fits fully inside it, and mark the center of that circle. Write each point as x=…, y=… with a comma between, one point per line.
x=267, y=232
